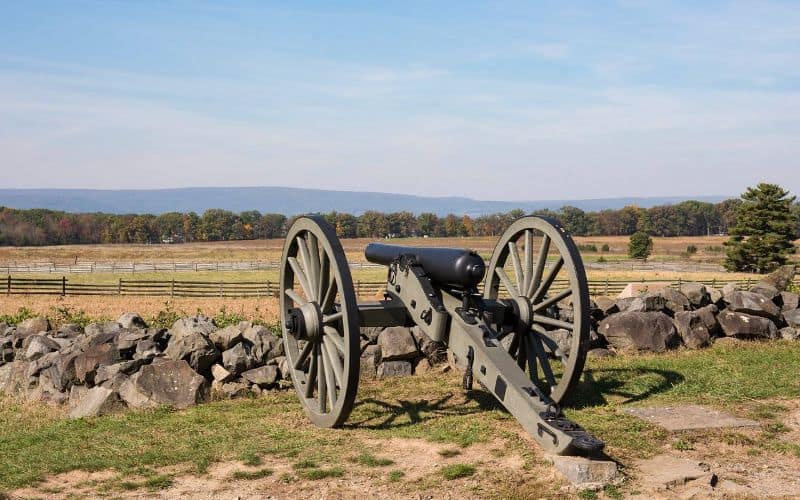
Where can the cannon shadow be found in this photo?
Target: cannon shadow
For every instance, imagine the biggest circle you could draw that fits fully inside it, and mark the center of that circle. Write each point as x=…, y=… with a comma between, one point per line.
x=630, y=384
x=403, y=413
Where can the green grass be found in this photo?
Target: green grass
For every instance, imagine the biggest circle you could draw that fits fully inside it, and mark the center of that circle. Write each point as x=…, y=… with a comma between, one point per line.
x=317, y=474
x=250, y=475
x=395, y=476
x=369, y=460
x=38, y=441
x=456, y=471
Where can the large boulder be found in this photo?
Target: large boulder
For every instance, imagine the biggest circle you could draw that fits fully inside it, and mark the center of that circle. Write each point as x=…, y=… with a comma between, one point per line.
x=728, y=289
x=792, y=318
x=789, y=333
x=239, y=358
x=781, y=278
x=131, y=320
x=62, y=370
x=169, y=382
x=199, y=325
x=675, y=301
x=370, y=359
x=753, y=304
x=97, y=329
x=708, y=315
x=642, y=303
x=87, y=362
x=263, y=376
x=227, y=337
x=696, y=293
x=692, y=329
x=397, y=344
x=195, y=348
x=742, y=325
x=766, y=290
x=37, y=346
x=97, y=401
x=789, y=301
x=68, y=331
x=606, y=305
x=640, y=331
x=395, y=369
x=33, y=326
x=265, y=345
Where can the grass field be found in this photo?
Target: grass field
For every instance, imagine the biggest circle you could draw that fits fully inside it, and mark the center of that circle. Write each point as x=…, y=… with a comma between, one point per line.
x=406, y=437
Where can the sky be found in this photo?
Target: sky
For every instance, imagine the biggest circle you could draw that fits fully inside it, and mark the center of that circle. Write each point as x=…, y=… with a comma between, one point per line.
x=490, y=100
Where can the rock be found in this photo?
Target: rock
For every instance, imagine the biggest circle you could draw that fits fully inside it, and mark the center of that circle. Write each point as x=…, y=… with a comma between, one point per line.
x=667, y=472
x=33, y=326
x=789, y=333
x=737, y=324
x=146, y=349
x=62, y=370
x=715, y=295
x=116, y=382
x=169, y=382
x=201, y=325
x=68, y=331
x=47, y=392
x=76, y=393
x=126, y=341
x=107, y=372
x=696, y=293
x=397, y=344
x=220, y=374
x=227, y=337
x=38, y=346
x=643, y=303
x=263, y=376
x=423, y=366
x=599, y=352
x=790, y=301
x=562, y=339
x=606, y=304
x=14, y=378
x=692, y=329
x=728, y=289
x=87, y=362
x=792, y=318
x=238, y=358
x=766, y=290
x=675, y=300
x=230, y=390
x=265, y=345
x=97, y=401
x=102, y=329
x=585, y=472
x=370, y=333
x=708, y=315
x=36, y=366
x=131, y=320
x=195, y=348
x=643, y=331
x=370, y=359
x=6, y=355
x=435, y=352
x=394, y=369
x=284, y=368
x=753, y=304
x=781, y=278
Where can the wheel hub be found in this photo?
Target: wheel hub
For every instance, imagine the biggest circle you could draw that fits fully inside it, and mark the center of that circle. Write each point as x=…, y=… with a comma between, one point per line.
x=523, y=314
x=305, y=322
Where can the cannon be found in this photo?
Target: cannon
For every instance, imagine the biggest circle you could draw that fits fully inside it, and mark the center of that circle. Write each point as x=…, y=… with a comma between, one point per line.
x=523, y=337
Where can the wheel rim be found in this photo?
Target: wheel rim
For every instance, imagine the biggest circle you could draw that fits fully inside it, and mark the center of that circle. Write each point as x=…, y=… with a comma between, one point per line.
x=541, y=281
x=319, y=318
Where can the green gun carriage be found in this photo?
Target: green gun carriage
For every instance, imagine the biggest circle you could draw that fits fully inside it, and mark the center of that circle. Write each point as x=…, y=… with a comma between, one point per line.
x=524, y=338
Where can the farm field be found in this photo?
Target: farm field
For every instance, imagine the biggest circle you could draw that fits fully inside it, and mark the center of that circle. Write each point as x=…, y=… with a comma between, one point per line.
x=417, y=436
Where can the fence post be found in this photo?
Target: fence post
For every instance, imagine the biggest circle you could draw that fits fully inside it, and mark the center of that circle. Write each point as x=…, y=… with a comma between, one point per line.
x=119, y=287
x=606, y=292
x=8, y=289
x=172, y=288
x=269, y=288
x=63, y=286
x=220, y=289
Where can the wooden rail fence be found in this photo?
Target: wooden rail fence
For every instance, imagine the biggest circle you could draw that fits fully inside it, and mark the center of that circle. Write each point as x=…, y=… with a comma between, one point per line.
x=179, y=288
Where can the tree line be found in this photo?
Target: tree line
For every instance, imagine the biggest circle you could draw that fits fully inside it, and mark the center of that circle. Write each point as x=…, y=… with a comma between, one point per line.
x=50, y=227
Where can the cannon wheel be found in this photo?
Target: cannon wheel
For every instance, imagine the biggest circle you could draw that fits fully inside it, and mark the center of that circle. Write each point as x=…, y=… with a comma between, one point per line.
x=552, y=347
x=315, y=278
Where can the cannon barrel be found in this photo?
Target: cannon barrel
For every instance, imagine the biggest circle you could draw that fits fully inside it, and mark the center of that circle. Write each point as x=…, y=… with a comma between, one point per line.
x=446, y=266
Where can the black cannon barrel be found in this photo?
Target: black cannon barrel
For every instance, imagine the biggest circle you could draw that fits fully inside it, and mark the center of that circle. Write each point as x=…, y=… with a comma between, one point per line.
x=447, y=266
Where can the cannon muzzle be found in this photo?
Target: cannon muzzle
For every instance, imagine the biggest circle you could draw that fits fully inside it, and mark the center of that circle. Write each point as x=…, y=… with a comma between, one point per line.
x=446, y=266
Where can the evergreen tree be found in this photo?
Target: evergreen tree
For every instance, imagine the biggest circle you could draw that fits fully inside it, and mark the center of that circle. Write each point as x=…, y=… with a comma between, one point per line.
x=640, y=246
x=764, y=231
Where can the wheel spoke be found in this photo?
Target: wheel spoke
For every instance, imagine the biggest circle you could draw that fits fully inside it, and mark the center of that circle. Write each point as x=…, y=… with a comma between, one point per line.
x=313, y=253
x=332, y=318
x=537, y=274
x=530, y=353
x=528, y=274
x=552, y=300
x=321, y=389
x=324, y=275
x=546, y=369
x=332, y=334
x=301, y=359
x=295, y=297
x=551, y=276
x=301, y=277
x=310, y=272
x=330, y=294
x=521, y=355
x=312, y=372
x=512, y=249
x=335, y=361
x=546, y=320
x=501, y=273
x=330, y=378
x=514, y=347
x=549, y=343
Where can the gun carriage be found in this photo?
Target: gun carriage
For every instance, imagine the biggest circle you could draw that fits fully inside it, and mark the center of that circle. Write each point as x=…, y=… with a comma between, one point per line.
x=512, y=338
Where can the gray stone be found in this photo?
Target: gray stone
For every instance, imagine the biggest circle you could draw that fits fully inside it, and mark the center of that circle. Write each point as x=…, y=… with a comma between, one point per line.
x=68, y=331
x=563, y=339
x=643, y=331
x=46, y=391
x=397, y=344
x=728, y=289
x=265, y=345
x=435, y=352
x=789, y=333
x=285, y=368
x=394, y=369
x=696, y=293
x=116, y=382
x=227, y=337
x=201, y=325
x=220, y=374
x=736, y=324
x=107, y=372
x=15, y=379
x=753, y=304
x=41, y=363
x=370, y=359
x=766, y=290
x=38, y=346
x=585, y=472
x=692, y=330
x=599, y=352
x=131, y=320
x=102, y=329
x=642, y=303
x=168, y=382
x=238, y=358
x=97, y=401
x=370, y=333
x=195, y=348
x=789, y=301
x=33, y=326
x=146, y=349
x=62, y=370
x=606, y=304
x=76, y=393
x=675, y=300
x=667, y=472
x=127, y=340
x=230, y=390
x=689, y=417
x=87, y=362
x=715, y=295
x=708, y=315
x=792, y=318
x=782, y=277
x=263, y=376
x=6, y=355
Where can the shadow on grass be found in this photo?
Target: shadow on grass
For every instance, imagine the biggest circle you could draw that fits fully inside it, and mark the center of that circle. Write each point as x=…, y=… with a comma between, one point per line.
x=403, y=413
x=629, y=384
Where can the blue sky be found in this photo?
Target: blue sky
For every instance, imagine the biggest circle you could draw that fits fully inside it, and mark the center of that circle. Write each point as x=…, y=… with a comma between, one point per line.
x=499, y=100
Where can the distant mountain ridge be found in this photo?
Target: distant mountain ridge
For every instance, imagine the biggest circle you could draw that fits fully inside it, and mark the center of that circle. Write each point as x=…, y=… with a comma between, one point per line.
x=290, y=201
